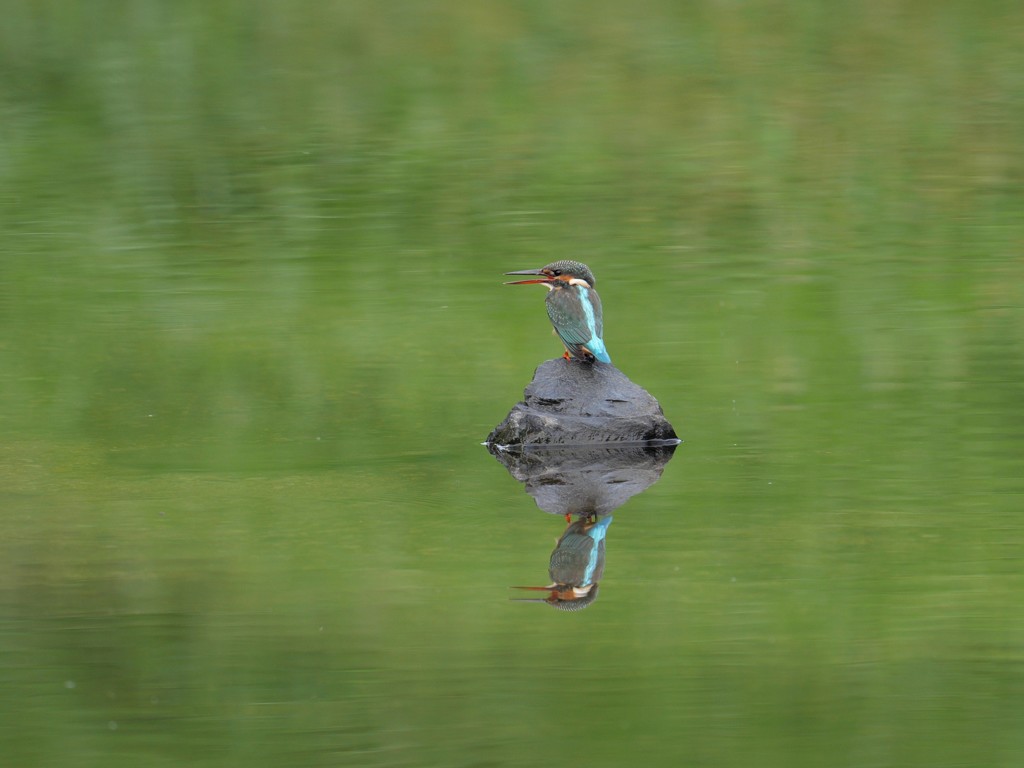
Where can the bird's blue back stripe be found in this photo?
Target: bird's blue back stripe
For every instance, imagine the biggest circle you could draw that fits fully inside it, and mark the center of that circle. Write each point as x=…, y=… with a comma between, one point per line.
x=596, y=343
x=588, y=310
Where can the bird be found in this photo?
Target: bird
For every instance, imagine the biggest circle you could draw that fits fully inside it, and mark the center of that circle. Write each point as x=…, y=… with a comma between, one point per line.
x=576, y=565
x=573, y=307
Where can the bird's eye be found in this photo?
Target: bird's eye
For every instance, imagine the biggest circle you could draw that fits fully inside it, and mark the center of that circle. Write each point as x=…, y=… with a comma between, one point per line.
x=556, y=272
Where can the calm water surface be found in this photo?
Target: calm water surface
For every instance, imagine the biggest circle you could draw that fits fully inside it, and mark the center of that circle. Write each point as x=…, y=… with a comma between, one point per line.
x=235, y=531
x=253, y=332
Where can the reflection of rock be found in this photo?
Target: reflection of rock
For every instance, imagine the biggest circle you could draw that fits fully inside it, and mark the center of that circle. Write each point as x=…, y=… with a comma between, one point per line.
x=586, y=483
x=573, y=403
x=588, y=480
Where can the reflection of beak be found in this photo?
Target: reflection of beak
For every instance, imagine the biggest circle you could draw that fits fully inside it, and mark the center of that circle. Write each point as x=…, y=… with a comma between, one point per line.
x=550, y=589
x=542, y=279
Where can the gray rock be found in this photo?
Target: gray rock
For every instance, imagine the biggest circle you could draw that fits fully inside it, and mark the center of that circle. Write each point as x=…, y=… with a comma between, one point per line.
x=576, y=403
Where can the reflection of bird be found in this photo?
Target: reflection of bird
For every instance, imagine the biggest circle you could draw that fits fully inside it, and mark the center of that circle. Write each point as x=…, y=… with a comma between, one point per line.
x=576, y=565
x=573, y=306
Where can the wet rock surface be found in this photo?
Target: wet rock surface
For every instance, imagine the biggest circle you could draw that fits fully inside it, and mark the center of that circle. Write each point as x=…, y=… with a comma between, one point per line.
x=575, y=403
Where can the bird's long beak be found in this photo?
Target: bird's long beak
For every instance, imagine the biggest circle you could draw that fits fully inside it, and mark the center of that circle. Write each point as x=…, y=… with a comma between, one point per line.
x=542, y=279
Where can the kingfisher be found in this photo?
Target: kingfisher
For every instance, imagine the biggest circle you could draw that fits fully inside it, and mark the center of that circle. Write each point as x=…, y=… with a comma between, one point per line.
x=576, y=566
x=573, y=306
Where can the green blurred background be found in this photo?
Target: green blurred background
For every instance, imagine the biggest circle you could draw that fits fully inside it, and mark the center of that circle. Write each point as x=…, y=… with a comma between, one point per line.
x=254, y=330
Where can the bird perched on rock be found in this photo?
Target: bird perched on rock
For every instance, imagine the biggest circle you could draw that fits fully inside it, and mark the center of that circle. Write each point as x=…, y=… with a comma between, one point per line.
x=573, y=306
